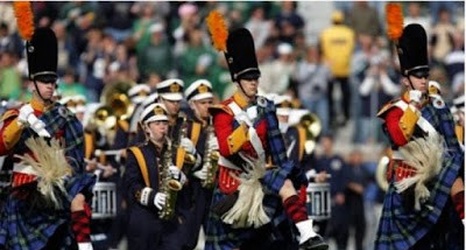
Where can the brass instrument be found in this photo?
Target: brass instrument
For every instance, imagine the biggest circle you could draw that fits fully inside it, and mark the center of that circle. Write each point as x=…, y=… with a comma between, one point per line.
x=211, y=160
x=381, y=173
x=188, y=159
x=313, y=128
x=168, y=185
x=115, y=96
x=103, y=122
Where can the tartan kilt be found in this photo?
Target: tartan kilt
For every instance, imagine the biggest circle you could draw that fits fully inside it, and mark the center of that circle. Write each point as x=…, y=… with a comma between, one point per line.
x=30, y=228
x=401, y=227
x=221, y=236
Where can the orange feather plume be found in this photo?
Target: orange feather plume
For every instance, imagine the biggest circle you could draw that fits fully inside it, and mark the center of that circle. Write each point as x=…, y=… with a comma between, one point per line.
x=394, y=15
x=24, y=19
x=218, y=30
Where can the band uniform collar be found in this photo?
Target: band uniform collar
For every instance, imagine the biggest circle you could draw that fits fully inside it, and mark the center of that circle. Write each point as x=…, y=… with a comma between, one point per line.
x=240, y=100
x=38, y=105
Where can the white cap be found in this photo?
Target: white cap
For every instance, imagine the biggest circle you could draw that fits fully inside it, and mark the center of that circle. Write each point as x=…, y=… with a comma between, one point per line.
x=459, y=102
x=138, y=93
x=64, y=100
x=200, y=89
x=171, y=89
x=154, y=112
x=156, y=27
x=80, y=102
x=284, y=49
x=152, y=98
x=283, y=104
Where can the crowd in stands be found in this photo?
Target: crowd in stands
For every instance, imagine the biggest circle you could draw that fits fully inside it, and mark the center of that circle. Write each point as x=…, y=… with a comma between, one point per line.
x=102, y=43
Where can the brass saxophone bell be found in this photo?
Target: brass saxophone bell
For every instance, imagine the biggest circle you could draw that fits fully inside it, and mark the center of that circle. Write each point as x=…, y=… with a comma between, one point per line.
x=174, y=185
x=189, y=159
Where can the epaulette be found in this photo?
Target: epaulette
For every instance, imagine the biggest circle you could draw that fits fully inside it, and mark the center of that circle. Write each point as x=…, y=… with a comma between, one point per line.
x=218, y=108
x=11, y=113
x=387, y=107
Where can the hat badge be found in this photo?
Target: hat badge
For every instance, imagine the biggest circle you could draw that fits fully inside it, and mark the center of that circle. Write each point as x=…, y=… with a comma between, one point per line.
x=175, y=88
x=203, y=89
x=158, y=110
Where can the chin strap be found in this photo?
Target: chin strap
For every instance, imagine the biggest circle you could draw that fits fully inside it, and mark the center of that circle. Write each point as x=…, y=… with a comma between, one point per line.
x=40, y=95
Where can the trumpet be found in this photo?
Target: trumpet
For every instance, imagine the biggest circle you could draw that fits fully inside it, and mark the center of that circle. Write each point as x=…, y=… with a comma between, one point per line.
x=313, y=127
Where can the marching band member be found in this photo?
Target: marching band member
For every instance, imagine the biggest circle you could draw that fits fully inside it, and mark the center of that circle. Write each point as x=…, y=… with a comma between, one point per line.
x=29, y=221
x=127, y=126
x=252, y=206
x=458, y=115
x=76, y=104
x=137, y=135
x=200, y=97
x=295, y=138
x=147, y=167
x=180, y=128
x=424, y=192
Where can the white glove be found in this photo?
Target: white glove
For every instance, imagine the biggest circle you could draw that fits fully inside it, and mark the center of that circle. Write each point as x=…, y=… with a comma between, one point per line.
x=26, y=117
x=176, y=174
x=24, y=112
x=188, y=145
x=213, y=143
x=159, y=200
x=415, y=96
x=201, y=174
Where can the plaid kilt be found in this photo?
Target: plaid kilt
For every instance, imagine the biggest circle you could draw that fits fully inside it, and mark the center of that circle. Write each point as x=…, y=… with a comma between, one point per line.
x=402, y=227
x=24, y=227
x=220, y=236
x=28, y=224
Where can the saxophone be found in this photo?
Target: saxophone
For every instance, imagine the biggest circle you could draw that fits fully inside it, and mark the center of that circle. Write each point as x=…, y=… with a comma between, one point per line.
x=188, y=159
x=168, y=185
x=211, y=159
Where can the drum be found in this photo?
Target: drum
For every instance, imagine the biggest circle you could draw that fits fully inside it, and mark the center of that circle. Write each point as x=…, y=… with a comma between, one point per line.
x=319, y=201
x=104, y=202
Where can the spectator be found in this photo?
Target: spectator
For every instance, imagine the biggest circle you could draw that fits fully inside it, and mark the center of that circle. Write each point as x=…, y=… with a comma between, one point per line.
x=157, y=57
x=415, y=16
x=189, y=18
x=67, y=54
x=454, y=61
x=94, y=65
x=10, y=79
x=376, y=86
x=441, y=38
x=313, y=78
x=355, y=196
x=364, y=19
x=149, y=13
x=118, y=18
x=277, y=79
x=337, y=44
x=332, y=163
x=196, y=60
x=288, y=22
x=259, y=26
x=68, y=85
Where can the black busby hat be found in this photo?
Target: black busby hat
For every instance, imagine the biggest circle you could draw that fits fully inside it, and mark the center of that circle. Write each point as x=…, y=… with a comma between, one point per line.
x=42, y=55
x=412, y=50
x=241, y=55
